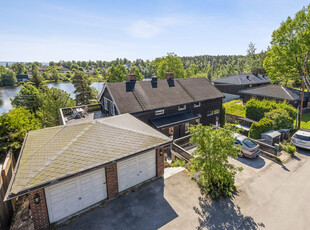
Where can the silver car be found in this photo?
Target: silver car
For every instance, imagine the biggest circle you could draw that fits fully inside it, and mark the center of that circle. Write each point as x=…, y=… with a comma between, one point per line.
x=249, y=148
x=301, y=139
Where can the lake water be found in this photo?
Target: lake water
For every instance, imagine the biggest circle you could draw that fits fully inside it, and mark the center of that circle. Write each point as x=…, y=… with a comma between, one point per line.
x=7, y=93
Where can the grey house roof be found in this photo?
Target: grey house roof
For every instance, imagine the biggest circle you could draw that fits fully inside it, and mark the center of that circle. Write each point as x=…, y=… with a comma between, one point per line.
x=131, y=97
x=49, y=155
x=275, y=92
x=243, y=79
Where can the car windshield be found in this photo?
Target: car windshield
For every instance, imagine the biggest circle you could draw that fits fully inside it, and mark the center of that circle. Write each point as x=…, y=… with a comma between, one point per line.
x=249, y=143
x=301, y=137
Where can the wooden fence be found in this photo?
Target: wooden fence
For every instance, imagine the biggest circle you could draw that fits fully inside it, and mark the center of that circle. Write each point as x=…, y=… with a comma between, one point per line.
x=6, y=207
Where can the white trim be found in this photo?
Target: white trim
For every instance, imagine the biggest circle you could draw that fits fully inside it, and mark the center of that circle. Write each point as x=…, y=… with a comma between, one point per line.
x=196, y=105
x=159, y=112
x=105, y=103
x=180, y=107
x=211, y=113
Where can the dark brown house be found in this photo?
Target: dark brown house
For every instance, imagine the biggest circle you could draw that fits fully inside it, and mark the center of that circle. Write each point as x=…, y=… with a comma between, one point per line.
x=275, y=92
x=233, y=84
x=169, y=105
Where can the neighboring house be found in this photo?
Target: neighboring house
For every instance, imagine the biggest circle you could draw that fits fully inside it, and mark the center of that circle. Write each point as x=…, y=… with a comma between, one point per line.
x=66, y=169
x=42, y=69
x=275, y=92
x=233, y=84
x=169, y=105
x=64, y=70
x=22, y=77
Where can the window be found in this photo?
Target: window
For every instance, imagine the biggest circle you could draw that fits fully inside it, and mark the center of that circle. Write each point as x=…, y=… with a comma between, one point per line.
x=197, y=105
x=171, y=130
x=217, y=111
x=159, y=112
x=209, y=113
x=181, y=107
x=105, y=102
x=112, y=108
x=186, y=128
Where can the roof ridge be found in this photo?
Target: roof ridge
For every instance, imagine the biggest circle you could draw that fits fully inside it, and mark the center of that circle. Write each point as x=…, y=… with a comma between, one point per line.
x=183, y=87
x=131, y=130
x=138, y=99
x=287, y=92
x=54, y=156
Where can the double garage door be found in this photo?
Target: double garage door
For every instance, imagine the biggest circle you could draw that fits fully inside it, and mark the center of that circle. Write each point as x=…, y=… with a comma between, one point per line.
x=73, y=195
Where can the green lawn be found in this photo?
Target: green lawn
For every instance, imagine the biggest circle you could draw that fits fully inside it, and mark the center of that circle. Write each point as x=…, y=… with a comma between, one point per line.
x=305, y=122
x=235, y=107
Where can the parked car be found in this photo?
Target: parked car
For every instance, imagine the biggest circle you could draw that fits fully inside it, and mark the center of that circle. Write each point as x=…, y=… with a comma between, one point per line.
x=249, y=148
x=301, y=139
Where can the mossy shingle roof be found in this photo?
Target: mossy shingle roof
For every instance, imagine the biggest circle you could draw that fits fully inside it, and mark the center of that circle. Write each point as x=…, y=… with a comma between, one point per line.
x=53, y=153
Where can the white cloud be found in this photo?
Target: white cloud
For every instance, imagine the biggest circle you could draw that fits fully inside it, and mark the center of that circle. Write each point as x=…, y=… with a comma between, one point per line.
x=149, y=29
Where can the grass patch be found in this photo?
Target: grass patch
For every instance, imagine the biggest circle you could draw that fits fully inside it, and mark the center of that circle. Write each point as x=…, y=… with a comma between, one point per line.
x=305, y=122
x=236, y=107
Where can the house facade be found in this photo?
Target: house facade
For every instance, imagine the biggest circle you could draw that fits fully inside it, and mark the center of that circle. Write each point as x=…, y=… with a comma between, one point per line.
x=67, y=169
x=170, y=105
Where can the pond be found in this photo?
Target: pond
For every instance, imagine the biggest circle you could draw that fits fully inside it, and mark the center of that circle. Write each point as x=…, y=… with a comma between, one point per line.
x=10, y=92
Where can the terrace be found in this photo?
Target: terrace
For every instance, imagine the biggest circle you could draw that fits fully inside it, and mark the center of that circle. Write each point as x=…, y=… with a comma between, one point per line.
x=80, y=114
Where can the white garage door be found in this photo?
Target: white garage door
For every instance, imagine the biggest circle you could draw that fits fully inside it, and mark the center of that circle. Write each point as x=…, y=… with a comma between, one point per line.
x=136, y=170
x=68, y=197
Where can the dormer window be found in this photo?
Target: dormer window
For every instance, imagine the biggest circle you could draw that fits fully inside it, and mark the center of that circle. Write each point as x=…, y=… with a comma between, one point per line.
x=197, y=105
x=159, y=112
x=181, y=107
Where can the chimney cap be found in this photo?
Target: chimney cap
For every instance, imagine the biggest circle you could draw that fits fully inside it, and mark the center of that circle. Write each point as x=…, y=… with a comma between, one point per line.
x=131, y=77
x=169, y=75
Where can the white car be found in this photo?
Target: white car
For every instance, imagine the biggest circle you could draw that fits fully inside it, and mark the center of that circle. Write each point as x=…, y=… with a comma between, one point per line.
x=301, y=139
x=249, y=148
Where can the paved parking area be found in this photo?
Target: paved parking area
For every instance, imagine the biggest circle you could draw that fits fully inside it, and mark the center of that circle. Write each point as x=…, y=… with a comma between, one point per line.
x=275, y=197
x=251, y=167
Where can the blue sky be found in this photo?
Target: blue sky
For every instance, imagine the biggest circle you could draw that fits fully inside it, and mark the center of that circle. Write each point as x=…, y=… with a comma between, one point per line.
x=104, y=30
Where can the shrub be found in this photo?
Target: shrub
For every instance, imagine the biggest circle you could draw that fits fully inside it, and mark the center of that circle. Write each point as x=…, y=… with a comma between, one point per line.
x=178, y=163
x=291, y=149
x=280, y=119
x=260, y=127
x=223, y=116
x=235, y=107
x=256, y=109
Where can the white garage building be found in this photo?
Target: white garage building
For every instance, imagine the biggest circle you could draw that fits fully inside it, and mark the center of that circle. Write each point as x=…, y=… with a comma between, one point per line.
x=66, y=169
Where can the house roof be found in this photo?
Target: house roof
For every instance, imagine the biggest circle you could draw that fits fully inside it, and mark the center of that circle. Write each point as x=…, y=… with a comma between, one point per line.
x=243, y=79
x=51, y=154
x=137, y=96
x=275, y=92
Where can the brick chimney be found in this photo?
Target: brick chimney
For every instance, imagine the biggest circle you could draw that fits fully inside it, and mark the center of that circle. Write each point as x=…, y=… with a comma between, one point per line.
x=169, y=75
x=131, y=77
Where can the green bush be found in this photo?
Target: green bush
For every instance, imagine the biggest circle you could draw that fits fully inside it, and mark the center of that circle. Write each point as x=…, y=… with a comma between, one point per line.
x=256, y=109
x=280, y=119
x=291, y=149
x=223, y=116
x=260, y=127
x=178, y=163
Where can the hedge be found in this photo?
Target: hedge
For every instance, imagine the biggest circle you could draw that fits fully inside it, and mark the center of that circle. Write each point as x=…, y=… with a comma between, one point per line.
x=260, y=127
x=256, y=109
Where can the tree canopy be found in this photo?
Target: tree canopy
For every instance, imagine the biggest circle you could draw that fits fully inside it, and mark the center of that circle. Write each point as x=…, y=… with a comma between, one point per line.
x=170, y=63
x=285, y=59
x=83, y=91
x=213, y=171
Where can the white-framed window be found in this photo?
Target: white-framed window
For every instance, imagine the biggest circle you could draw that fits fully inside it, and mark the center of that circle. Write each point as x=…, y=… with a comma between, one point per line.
x=105, y=102
x=216, y=111
x=181, y=107
x=159, y=112
x=209, y=113
x=112, y=108
x=186, y=128
x=197, y=105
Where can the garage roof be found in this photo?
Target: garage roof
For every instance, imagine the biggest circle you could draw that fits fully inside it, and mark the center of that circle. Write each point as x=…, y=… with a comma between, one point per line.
x=58, y=152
